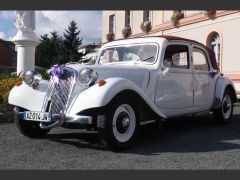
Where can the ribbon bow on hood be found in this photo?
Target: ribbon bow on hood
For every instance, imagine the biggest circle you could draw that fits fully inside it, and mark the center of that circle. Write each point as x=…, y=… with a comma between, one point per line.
x=56, y=73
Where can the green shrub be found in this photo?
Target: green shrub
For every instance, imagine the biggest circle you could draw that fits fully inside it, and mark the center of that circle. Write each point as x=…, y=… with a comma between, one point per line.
x=6, y=84
x=110, y=36
x=177, y=15
x=126, y=31
x=44, y=74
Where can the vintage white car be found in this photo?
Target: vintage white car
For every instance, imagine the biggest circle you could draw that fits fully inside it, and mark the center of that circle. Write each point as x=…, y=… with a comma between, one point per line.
x=133, y=81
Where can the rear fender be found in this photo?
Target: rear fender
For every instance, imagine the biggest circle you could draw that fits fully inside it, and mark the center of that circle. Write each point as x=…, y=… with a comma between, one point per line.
x=221, y=84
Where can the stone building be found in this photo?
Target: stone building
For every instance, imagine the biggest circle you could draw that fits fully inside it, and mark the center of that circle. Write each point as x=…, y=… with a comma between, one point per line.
x=218, y=30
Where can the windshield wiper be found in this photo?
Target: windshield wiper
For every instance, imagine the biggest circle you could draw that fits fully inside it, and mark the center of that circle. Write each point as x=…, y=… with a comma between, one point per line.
x=146, y=58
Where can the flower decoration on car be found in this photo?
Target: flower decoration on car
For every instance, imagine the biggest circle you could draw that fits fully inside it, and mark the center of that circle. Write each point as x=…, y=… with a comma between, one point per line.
x=56, y=73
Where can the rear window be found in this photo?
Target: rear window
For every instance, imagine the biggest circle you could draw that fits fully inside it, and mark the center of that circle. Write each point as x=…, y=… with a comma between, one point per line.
x=200, y=61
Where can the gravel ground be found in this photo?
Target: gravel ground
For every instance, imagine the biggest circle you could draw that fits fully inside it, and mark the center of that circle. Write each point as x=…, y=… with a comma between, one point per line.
x=184, y=143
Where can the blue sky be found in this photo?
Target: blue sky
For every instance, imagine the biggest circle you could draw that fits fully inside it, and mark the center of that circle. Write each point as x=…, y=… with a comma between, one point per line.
x=89, y=22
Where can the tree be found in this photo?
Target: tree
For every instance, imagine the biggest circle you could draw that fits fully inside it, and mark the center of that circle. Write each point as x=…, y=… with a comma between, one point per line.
x=50, y=51
x=58, y=54
x=72, y=42
x=43, y=51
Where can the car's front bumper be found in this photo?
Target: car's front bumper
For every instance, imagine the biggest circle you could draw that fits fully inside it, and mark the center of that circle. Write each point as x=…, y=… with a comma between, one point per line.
x=60, y=119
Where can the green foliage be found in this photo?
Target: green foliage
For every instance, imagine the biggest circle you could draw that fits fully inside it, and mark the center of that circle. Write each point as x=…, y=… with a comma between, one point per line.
x=110, y=36
x=6, y=84
x=146, y=26
x=72, y=42
x=50, y=51
x=177, y=15
x=58, y=50
x=126, y=31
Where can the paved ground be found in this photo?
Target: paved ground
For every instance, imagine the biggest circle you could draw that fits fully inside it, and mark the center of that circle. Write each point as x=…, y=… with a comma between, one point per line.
x=186, y=143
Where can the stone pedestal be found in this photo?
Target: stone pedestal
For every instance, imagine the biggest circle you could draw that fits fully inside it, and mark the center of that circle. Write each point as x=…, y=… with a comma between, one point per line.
x=26, y=41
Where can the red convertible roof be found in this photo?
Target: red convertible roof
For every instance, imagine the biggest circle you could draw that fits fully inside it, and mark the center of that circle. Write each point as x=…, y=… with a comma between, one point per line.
x=210, y=51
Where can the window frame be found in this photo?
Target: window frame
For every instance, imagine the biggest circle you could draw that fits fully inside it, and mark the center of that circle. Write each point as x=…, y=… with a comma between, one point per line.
x=112, y=23
x=128, y=18
x=147, y=15
x=217, y=44
x=206, y=55
x=132, y=44
x=188, y=55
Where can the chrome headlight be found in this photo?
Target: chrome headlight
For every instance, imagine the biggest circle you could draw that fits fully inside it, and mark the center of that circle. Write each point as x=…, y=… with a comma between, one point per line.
x=88, y=76
x=32, y=78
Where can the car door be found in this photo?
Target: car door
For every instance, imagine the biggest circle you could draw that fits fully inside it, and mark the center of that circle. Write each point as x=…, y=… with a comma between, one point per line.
x=201, y=85
x=174, y=87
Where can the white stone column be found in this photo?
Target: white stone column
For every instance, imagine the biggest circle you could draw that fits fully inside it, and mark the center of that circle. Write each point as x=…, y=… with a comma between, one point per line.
x=26, y=41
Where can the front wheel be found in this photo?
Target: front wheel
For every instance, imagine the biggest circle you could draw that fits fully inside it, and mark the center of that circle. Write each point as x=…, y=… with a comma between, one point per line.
x=224, y=113
x=118, y=127
x=29, y=128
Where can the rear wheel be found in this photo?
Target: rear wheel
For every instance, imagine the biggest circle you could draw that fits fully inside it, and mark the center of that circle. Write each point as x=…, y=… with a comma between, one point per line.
x=224, y=113
x=118, y=127
x=29, y=128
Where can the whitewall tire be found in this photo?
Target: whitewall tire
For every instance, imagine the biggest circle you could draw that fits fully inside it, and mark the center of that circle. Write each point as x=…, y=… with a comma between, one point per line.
x=224, y=113
x=118, y=126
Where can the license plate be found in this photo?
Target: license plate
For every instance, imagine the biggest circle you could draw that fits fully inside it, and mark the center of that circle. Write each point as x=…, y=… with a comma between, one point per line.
x=37, y=116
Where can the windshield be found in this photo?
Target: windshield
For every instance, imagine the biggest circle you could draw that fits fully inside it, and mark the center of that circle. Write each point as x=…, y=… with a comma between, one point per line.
x=128, y=53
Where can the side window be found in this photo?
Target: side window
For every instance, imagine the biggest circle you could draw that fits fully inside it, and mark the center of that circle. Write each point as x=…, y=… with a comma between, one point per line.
x=200, y=60
x=176, y=56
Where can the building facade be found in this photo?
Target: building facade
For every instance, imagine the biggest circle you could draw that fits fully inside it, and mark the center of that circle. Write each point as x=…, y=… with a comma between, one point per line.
x=218, y=30
x=8, y=56
x=7, y=53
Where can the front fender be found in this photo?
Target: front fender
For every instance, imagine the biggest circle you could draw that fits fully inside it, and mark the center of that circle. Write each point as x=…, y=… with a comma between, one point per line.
x=27, y=97
x=221, y=84
x=96, y=96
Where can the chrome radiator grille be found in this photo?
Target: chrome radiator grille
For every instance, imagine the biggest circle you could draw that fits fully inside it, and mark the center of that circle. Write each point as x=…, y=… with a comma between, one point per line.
x=59, y=92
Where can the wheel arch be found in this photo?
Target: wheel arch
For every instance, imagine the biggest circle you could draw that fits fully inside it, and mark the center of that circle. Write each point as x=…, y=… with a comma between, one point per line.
x=143, y=110
x=223, y=83
x=232, y=90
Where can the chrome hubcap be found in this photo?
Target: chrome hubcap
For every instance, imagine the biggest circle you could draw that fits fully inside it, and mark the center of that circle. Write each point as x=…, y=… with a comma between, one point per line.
x=124, y=123
x=227, y=106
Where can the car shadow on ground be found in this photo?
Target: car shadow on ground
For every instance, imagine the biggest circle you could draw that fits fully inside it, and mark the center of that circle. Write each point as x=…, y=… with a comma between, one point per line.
x=178, y=135
x=188, y=134
x=80, y=140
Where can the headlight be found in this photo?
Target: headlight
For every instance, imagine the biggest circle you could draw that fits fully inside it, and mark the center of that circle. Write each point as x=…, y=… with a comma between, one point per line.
x=88, y=76
x=32, y=78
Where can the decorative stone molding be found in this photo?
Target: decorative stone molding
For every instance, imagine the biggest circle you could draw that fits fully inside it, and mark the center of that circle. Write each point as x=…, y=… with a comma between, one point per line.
x=186, y=21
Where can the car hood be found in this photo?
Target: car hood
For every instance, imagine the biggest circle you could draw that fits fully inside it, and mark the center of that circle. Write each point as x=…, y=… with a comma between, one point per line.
x=139, y=75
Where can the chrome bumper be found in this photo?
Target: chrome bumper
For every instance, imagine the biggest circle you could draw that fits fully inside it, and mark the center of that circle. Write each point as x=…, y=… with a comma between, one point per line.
x=60, y=119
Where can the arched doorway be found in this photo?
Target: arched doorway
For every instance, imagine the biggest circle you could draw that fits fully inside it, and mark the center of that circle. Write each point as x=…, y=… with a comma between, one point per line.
x=214, y=42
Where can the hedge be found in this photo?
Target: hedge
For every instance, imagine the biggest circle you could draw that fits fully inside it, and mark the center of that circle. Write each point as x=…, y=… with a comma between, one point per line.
x=6, y=84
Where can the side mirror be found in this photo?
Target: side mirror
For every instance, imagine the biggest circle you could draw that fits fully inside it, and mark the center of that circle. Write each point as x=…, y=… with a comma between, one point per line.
x=166, y=62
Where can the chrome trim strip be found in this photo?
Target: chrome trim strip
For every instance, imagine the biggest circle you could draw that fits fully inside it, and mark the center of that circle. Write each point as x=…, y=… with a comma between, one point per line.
x=59, y=119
